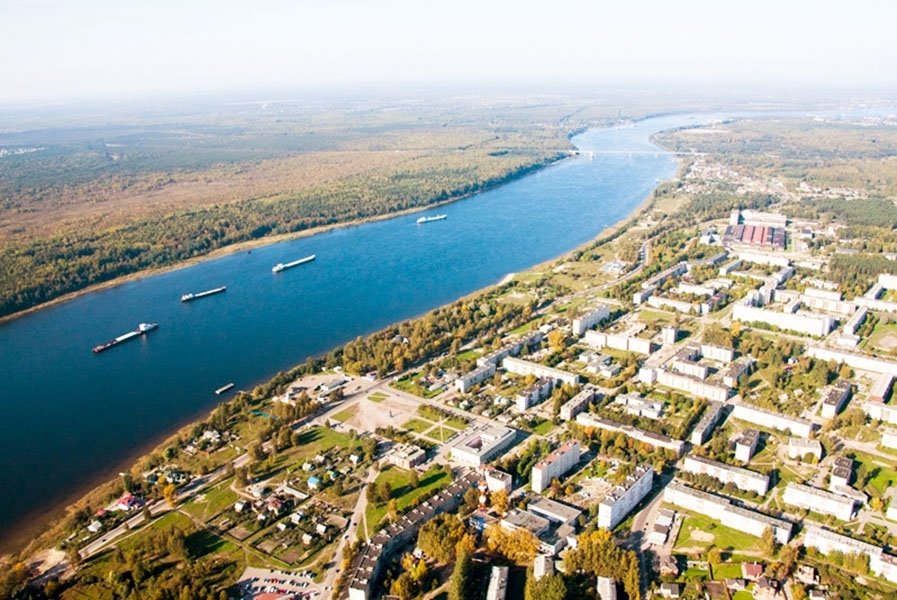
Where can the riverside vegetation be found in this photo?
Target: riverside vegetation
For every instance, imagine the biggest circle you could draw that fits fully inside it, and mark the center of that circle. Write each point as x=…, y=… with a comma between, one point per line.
x=96, y=203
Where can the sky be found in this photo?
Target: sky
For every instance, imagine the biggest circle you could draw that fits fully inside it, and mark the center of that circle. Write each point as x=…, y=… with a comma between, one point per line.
x=60, y=50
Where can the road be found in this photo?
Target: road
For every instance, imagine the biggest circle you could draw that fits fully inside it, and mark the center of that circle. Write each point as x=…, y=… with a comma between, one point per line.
x=158, y=508
x=358, y=515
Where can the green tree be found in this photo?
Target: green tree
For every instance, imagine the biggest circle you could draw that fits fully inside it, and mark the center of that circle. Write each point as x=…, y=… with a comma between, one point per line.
x=460, y=585
x=550, y=587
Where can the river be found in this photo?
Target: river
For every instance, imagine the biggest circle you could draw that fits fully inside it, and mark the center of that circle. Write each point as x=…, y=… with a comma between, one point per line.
x=71, y=417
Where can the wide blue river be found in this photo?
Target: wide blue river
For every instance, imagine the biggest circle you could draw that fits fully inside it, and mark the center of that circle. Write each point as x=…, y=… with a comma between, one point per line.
x=70, y=417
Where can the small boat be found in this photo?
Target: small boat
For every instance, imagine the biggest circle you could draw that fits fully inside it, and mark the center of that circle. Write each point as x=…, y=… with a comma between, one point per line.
x=283, y=266
x=198, y=295
x=423, y=220
x=223, y=389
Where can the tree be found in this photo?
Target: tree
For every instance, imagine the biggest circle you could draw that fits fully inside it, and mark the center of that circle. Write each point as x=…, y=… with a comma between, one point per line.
x=413, y=479
x=170, y=493
x=459, y=588
x=550, y=587
x=520, y=546
x=441, y=538
x=471, y=499
x=500, y=501
x=392, y=509
x=557, y=339
x=714, y=556
x=403, y=587
x=768, y=543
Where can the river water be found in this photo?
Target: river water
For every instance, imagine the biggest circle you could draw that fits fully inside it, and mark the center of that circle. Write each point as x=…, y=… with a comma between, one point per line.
x=70, y=417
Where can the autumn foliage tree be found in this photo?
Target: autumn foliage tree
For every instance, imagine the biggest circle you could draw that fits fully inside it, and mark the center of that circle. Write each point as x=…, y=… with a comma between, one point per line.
x=519, y=546
x=598, y=555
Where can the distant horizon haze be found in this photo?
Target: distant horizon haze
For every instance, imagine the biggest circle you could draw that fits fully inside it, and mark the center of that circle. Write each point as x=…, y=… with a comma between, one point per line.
x=55, y=51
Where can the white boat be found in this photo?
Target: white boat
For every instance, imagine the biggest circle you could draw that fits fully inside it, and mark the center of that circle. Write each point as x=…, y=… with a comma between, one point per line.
x=283, y=266
x=422, y=220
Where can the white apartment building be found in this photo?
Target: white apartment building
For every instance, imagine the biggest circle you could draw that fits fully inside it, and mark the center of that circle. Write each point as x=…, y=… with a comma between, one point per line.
x=835, y=399
x=758, y=416
x=889, y=438
x=498, y=584
x=478, y=375
x=648, y=437
x=626, y=341
x=518, y=366
x=743, y=479
x=685, y=383
x=806, y=323
x=746, y=445
x=701, y=432
x=577, y=404
x=624, y=497
x=817, y=500
x=855, y=361
x=583, y=323
x=798, y=448
x=826, y=542
x=554, y=466
x=717, y=353
x=723, y=510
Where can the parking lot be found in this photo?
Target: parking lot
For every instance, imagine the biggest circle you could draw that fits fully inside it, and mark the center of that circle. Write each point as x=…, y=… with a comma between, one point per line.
x=263, y=584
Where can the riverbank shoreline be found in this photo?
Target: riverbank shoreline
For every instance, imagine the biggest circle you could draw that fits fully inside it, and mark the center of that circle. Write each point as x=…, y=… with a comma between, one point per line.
x=41, y=523
x=276, y=239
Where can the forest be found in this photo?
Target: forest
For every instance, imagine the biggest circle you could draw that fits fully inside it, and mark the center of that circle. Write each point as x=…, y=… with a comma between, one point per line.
x=97, y=203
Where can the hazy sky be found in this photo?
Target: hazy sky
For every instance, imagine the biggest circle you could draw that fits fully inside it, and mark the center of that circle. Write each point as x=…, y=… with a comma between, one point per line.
x=55, y=49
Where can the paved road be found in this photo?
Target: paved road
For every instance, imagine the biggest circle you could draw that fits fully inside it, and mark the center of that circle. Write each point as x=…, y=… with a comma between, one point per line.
x=159, y=507
x=354, y=523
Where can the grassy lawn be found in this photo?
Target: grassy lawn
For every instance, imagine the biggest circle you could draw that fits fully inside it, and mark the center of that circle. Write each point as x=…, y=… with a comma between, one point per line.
x=742, y=595
x=418, y=425
x=882, y=476
x=525, y=328
x=455, y=423
x=654, y=316
x=884, y=336
x=404, y=495
x=544, y=427
x=409, y=383
x=702, y=531
x=441, y=434
x=173, y=519
x=212, y=502
x=378, y=397
x=727, y=571
x=346, y=414
x=469, y=354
